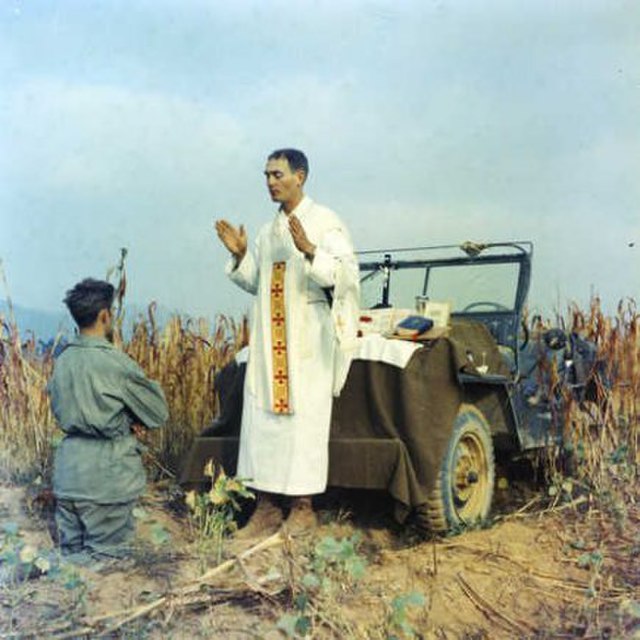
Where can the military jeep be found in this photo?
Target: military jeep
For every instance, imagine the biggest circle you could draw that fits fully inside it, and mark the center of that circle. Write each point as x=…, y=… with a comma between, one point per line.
x=428, y=431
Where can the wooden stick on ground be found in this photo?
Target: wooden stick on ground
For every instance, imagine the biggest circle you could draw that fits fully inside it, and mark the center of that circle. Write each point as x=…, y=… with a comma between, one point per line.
x=523, y=628
x=562, y=507
x=172, y=597
x=272, y=541
x=195, y=585
x=522, y=512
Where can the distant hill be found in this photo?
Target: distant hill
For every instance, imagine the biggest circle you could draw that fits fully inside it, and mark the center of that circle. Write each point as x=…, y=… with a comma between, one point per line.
x=44, y=324
x=47, y=324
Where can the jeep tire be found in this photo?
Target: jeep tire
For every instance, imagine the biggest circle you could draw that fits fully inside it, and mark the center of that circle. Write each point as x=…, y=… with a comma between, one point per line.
x=463, y=490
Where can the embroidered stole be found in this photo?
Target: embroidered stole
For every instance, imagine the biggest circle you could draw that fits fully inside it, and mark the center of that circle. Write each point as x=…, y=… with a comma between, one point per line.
x=279, y=361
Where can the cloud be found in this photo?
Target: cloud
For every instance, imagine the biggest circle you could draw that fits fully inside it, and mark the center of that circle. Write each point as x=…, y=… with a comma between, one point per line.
x=425, y=122
x=84, y=137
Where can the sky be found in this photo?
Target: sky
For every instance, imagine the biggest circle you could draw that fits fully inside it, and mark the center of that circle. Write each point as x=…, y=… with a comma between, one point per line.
x=137, y=123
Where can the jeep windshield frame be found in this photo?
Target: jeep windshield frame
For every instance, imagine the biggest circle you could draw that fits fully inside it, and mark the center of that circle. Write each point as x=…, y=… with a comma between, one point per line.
x=420, y=267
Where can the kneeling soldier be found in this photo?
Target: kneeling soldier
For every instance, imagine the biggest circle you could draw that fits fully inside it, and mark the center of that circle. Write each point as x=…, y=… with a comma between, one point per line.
x=100, y=398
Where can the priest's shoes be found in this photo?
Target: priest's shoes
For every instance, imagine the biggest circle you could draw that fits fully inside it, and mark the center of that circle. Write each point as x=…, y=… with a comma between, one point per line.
x=302, y=518
x=266, y=519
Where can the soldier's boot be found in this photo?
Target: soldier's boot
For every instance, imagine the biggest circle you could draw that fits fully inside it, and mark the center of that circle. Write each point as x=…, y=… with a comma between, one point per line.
x=302, y=517
x=265, y=520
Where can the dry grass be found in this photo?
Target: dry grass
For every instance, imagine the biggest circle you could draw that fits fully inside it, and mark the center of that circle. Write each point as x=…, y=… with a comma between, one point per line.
x=604, y=428
x=184, y=356
x=602, y=433
x=600, y=515
x=26, y=423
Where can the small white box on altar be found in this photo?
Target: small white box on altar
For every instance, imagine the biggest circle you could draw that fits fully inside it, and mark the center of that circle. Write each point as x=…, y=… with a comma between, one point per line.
x=439, y=312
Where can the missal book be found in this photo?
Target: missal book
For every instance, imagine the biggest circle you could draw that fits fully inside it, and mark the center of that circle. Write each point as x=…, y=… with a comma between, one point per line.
x=413, y=326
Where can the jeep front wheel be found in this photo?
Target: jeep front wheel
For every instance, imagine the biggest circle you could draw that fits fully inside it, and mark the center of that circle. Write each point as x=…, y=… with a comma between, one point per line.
x=464, y=486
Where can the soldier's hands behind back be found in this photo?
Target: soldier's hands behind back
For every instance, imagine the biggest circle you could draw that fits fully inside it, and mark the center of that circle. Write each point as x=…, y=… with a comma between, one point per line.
x=139, y=431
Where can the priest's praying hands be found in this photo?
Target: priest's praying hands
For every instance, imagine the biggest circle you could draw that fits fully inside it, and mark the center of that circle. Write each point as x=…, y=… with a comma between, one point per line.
x=235, y=240
x=300, y=239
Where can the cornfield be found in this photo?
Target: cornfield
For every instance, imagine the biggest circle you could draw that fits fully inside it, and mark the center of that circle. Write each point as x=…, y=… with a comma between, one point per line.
x=603, y=430
x=183, y=356
x=27, y=428
x=599, y=500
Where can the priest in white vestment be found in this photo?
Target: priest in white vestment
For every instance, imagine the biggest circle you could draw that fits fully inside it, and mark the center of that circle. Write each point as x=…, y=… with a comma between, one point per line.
x=304, y=274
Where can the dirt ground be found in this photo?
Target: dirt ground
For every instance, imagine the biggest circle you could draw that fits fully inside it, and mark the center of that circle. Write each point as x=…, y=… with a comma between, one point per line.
x=517, y=579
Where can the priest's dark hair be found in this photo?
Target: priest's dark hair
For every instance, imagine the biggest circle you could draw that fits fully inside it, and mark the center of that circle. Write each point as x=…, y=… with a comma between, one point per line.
x=296, y=159
x=87, y=299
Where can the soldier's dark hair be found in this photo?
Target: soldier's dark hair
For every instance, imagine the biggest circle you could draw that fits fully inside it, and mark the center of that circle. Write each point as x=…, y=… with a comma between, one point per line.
x=87, y=299
x=296, y=159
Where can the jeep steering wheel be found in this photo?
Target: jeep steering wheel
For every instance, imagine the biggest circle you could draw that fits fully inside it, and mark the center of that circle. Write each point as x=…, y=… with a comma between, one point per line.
x=493, y=306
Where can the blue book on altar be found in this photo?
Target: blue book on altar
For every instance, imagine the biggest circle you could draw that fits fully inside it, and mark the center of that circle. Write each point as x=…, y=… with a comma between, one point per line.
x=413, y=326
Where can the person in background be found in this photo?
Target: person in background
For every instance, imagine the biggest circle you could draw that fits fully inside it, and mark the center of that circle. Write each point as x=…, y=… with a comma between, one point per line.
x=304, y=276
x=103, y=402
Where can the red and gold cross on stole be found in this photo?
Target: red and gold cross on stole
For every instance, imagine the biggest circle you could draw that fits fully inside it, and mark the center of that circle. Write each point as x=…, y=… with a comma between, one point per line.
x=279, y=360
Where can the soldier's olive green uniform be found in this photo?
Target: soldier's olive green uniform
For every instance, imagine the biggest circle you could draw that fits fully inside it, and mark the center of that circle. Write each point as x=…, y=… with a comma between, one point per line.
x=97, y=393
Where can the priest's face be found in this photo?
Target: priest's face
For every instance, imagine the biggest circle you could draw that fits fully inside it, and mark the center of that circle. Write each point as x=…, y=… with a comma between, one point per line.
x=285, y=186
